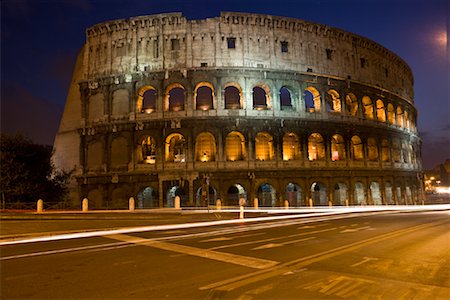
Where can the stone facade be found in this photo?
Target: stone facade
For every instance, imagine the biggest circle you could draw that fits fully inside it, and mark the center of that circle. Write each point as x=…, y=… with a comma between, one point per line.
x=243, y=106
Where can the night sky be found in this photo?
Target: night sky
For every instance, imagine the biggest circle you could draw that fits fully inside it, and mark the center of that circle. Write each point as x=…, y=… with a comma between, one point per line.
x=40, y=40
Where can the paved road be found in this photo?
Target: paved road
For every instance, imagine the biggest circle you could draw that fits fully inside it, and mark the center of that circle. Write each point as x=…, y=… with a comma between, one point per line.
x=371, y=256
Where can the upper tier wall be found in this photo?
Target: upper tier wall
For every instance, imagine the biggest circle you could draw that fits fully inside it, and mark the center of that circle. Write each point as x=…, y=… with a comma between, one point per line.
x=170, y=41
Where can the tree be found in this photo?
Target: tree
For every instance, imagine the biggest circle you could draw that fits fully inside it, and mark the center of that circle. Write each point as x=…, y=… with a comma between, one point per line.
x=27, y=172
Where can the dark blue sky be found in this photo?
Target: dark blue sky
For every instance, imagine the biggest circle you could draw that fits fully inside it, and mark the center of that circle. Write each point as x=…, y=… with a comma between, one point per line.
x=40, y=40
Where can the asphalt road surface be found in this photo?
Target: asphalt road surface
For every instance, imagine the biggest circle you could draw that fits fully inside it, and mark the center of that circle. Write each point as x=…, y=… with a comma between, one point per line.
x=369, y=256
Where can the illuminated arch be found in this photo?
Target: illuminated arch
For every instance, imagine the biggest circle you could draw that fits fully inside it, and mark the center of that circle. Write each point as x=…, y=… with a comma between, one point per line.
x=406, y=119
x=235, y=146
x=357, y=148
x=316, y=147
x=233, y=96
x=351, y=103
x=368, y=107
x=337, y=147
x=381, y=111
x=204, y=96
x=175, y=148
x=385, y=151
x=372, y=149
x=396, y=150
x=291, y=147
x=205, y=147
x=285, y=98
x=146, y=102
x=333, y=101
x=391, y=114
x=261, y=97
x=175, y=97
x=263, y=146
x=146, y=150
x=312, y=99
x=400, y=116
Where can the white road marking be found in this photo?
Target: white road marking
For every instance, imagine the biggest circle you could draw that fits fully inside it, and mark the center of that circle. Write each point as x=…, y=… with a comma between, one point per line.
x=251, y=262
x=271, y=239
x=271, y=245
x=355, y=229
x=365, y=259
x=219, y=239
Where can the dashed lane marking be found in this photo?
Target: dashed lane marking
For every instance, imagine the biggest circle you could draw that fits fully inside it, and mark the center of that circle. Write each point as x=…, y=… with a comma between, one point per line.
x=251, y=262
x=272, y=245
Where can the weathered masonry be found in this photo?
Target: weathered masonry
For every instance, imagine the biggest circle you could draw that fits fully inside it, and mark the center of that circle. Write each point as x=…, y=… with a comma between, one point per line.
x=238, y=106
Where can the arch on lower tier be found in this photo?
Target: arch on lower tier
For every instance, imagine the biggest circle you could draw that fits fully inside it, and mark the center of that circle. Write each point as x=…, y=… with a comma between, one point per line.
x=359, y=194
x=173, y=192
x=294, y=194
x=388, y=193
x=204, y=198
x=340, y=194
x=147, y=198
x=319, y=194
x=375, y=193
x=267, y=195
x=234, y=194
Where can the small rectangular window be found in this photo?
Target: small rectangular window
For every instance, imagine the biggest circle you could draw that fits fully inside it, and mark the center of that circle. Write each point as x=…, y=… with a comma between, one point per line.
x=363, y=62
x=231, y=42
x=175, y=44
x=203, y=65
x=155, y=49
x=284, y=46
x=329, y=53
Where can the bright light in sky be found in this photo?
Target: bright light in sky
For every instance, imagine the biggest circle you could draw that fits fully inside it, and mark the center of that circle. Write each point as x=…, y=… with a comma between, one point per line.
x=441, y=38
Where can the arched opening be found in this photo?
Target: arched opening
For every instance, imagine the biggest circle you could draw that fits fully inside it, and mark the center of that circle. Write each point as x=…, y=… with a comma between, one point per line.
x=340, y=194
x=260, y=98
x=390, y=114
x=375, y=193
x=396, y=150
x=147, y=199
x=285, y=98
x=234, y=193
x=291, y=147
x=400, y=116
x=368, y=107
x=119, y=199
x=175, y=97
x=388, y=193
x=203, y=95
x=406, y=119
x=172, y=193
x=357, y=148
x=235, y=146
x=316, y=147
x=205, y=147
x=146, y=102
x=263, y=146
x=398, y=193
x=147, y=150
x=381, y=111
x=351, y=104
x=412, y=154
x=372, y=149
x=337, y=148
x=333, y=101
x=233, y=96
x=203, y=198
x=408, y=195
x=175, y=148
x=385, y=151
x=360, y=195
x=404, y=153
x=267, y=195
x=319, y=193
x=294, y=194
x=312, y=99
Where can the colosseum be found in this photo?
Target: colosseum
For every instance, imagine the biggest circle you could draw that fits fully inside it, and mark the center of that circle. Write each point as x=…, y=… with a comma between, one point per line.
x=242, y=105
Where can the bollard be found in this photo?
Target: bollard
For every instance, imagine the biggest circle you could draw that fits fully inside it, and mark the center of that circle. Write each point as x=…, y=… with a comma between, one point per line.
x=346, y=202
x=330, y=204
x=241, y=212
x=218, y=204
x=40, y=206
x=131, y=204
x=85, y=205
x=310, y=202
x=255, y=203
x=177, y=202
x=286, y=204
